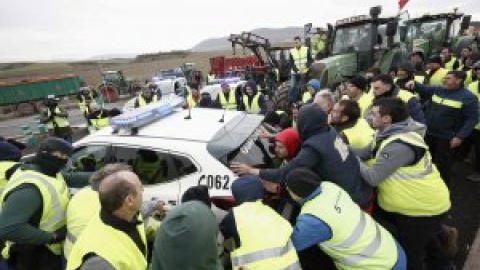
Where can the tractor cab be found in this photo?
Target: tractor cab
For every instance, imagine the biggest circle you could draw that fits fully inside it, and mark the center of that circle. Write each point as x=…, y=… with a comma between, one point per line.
x=358, y=43
x=429, y=33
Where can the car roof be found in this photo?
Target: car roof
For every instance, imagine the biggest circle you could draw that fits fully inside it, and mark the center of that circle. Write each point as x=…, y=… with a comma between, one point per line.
x=202, y=126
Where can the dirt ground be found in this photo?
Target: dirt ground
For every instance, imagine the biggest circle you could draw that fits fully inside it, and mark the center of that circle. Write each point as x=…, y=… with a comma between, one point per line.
x=89, y=71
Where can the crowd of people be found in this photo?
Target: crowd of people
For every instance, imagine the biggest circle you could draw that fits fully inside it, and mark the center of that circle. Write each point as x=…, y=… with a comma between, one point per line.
x=360, y=179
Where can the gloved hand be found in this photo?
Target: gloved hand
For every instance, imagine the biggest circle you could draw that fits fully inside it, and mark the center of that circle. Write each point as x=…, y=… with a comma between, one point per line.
x=59, y=235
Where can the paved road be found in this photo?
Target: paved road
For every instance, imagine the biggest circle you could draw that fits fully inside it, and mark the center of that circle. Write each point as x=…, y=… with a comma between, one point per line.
x=12, y=127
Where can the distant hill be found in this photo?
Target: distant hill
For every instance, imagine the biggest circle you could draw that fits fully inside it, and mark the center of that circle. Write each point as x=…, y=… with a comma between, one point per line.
x=273, y=34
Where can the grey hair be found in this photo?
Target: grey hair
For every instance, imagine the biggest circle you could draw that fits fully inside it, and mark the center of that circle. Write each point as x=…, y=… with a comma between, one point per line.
x=106, y=171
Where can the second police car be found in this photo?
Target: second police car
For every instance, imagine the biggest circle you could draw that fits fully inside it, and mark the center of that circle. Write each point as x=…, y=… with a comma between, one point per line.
x=172, y=150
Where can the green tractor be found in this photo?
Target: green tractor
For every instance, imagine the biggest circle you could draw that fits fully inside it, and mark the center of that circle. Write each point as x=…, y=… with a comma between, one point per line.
x=357, y=44
x=429, y=33
x=114, y=85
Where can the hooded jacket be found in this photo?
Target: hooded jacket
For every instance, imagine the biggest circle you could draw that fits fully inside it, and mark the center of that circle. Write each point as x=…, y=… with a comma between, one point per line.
x=324, y=152
x=393, y=155
x=261, y=99
x=291, y=140
x=187, y=239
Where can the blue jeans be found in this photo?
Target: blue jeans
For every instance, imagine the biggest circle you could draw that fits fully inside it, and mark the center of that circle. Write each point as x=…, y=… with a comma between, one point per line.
x=401, y=263
x=294, y=93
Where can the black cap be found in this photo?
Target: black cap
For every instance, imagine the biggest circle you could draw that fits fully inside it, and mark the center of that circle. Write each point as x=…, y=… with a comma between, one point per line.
x=436, y=59
x=56, y=144
x=302, y=182
x=359, y=82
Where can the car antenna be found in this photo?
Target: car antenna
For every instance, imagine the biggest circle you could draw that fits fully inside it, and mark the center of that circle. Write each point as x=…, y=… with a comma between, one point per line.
x=189, y=116
x=223, y=115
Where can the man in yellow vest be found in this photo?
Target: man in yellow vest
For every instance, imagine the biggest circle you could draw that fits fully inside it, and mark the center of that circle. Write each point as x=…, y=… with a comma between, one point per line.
x=450, y=62
x=147, y=96
x=56, y=119
x=345, y=118
x=210, y=77
x=253, y=102
x=411, y=193
x=330, y=219
x=115, y=238
x=357, y=91
x=435, y=73
x=33, y=205
x=226, y=99
x=261, y=237
x=300, y=61
x=98, y=118
x=383, y=87
x=9, y=158
x=85, y=96
x=85, y=205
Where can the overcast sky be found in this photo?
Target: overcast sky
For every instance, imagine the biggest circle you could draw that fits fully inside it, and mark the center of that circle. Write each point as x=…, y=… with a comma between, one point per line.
x=54, y=29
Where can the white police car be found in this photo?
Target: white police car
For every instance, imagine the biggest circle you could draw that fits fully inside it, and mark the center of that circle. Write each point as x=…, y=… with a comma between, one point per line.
x=172, y=150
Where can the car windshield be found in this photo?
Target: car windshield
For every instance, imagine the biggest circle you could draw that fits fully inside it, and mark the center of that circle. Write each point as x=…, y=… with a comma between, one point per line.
x=254, y=152
x=352, y=39
x=435, y=29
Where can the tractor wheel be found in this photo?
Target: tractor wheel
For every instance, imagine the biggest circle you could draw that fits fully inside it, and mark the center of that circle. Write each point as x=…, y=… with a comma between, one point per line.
x=25, y=109
x=109, y=92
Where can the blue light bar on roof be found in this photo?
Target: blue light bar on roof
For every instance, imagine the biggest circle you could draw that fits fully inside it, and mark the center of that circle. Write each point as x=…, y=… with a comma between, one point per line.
x=230, y=80
x=145, y=115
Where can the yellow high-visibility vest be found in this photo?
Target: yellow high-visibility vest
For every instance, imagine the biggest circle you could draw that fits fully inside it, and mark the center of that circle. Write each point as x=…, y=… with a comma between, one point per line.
x=55, y=197
x=142, y=102
x=265, y=243
x=449, y=64
x=416, y=190
x=357, y=242
x=112, y=245
x=300, y=58
x=98, y=123
x=438, y=76
x=83, y=206
x=231, y=103
x=360, y=135
x=4, y=167
x=59, y=121
x=254, y=107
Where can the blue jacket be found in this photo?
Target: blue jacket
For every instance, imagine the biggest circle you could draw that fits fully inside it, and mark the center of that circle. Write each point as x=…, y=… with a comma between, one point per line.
x=324, y=152
x=449, y=113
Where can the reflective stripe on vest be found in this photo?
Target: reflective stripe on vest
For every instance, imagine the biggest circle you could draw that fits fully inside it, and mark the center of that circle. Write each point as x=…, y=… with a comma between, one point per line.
x=254, y=107
x=414, y=190
x=265, y=239
x=231, y=104
x=300, y=58
x=447, y=102
x=474, y=87
x=142, y=102
x=116, y=247
x=55, y=199
x=357, y=240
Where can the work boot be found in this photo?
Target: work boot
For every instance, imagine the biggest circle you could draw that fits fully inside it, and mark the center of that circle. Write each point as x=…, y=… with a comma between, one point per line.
x=475, y=177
